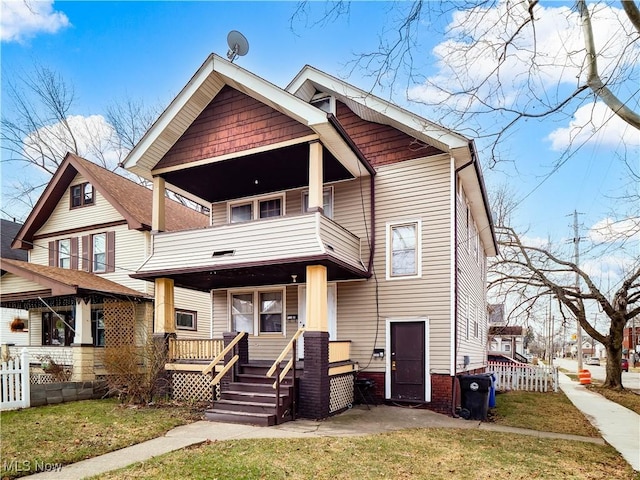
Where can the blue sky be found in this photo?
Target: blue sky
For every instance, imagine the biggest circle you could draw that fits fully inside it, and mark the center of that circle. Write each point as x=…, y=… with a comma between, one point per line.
x=149, y=50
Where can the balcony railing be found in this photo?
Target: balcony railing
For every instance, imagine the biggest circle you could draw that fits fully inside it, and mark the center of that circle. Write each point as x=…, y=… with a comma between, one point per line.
x=185, y=349
x=270, y=240
x=339, y=351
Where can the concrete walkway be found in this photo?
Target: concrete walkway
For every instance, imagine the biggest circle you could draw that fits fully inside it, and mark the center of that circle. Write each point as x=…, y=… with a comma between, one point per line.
x=619, y=426
x=357, y=421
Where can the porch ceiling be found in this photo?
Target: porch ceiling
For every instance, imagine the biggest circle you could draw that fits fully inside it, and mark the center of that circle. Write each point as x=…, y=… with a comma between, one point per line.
x=255, y=275
x=257, y=174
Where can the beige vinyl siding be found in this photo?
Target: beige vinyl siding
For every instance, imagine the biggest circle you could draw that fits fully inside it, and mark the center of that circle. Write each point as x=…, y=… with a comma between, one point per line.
x=199, y=302
x=407, y=191
x=65, y=218
x=10, y=283
x=472, y=291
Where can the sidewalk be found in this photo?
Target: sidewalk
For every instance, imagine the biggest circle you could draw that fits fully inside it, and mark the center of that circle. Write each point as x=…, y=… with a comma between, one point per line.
x=619, y=426
x=357, y=421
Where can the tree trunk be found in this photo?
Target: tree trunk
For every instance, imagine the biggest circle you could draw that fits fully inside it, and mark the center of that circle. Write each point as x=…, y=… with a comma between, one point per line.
x=614, y=353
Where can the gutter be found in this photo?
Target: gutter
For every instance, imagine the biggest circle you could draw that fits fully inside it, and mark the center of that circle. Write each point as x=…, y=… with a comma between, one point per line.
x=455, y=277
x=483, y=190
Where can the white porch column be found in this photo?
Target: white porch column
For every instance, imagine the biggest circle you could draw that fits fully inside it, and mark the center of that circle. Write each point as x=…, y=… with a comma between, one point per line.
x=158, y=209
x=83, y=335
x=315, y=176
x=164, y=306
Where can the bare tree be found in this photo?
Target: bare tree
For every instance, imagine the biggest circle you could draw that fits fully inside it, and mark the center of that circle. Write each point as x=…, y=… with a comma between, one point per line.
x=40, y=125
x=503, y=63
x=537, y=273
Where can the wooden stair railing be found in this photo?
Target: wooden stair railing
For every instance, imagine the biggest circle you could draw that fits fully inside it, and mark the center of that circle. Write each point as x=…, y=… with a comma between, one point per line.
x=220, y=357
x=281, y=374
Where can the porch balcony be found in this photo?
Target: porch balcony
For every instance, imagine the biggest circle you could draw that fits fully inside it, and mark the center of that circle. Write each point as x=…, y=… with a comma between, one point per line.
x=262, y=252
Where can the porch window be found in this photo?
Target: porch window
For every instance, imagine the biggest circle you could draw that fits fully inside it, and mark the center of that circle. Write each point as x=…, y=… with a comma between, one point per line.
x=256, y=209
x=403, y=250
x=64, y=253
x=57, y=328
x=82, y=195
x=271, y=312
x=257, y=311
x=99, y=250
x=185, y=320
x=327, y=202
x=242, y=312
x=97, y=327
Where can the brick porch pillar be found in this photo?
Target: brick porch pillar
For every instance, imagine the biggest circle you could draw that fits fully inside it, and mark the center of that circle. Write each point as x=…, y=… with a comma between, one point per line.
x=314, y=384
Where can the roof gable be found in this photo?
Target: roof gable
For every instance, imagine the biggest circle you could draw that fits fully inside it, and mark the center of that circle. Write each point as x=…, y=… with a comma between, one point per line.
x=9, y=230
x=131, y=200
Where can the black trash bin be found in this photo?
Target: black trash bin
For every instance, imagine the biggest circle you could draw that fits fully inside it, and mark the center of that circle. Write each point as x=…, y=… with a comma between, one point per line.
x=475, y=396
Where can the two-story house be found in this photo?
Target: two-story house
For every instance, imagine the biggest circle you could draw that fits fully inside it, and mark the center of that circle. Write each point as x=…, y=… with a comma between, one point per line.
x=88, y=232
x=332, y=210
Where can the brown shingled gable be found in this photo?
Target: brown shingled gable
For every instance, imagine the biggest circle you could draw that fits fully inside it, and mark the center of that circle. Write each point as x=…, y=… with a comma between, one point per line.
x=66, y=281
x=133, y=201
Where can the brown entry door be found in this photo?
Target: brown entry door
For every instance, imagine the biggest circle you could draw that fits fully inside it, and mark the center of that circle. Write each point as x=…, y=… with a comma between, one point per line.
x=407, y=361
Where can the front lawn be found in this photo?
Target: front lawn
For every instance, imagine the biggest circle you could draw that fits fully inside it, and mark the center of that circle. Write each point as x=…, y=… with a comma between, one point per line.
x=70, y=432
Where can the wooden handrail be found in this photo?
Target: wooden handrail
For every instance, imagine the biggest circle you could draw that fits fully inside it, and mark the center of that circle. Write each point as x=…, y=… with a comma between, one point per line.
x=284, y=372
x=221, y=355
x=284, y=353
x=226, y=368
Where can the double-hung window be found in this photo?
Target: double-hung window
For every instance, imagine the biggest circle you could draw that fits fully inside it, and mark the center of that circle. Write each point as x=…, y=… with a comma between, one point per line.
x=256, y=209
x=97, y=327
x=404, y=250
x=99, y=252
x=64, y=253
x=260, y=311
x=327, y=202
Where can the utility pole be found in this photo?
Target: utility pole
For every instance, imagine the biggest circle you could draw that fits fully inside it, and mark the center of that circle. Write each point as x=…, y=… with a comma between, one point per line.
x=576, y=245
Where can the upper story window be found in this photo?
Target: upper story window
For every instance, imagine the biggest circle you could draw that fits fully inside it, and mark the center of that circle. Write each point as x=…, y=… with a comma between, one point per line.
x=64, y=253
x=99, y=252
x=256, y=209
x=327, y=202
x=404, y=250
x=82, y=195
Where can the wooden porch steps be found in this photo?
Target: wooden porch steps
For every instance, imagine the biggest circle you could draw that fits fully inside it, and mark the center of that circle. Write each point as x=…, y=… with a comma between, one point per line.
x=251, y=399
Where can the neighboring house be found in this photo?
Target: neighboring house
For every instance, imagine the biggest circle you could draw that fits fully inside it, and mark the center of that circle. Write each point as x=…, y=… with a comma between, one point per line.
x=506, y=340
x=88, y=232
x=14, y=322
x=330, y=209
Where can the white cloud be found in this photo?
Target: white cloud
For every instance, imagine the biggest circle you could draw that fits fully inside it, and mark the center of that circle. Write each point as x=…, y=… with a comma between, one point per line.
x=22, y=19
x=541, y=64
x=597, y=124
x=609, y=230
x=93, y=138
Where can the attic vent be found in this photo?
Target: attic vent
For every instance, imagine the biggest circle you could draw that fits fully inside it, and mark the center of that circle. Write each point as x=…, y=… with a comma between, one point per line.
x=330, y=247
x=324, y=102
x=223, y=253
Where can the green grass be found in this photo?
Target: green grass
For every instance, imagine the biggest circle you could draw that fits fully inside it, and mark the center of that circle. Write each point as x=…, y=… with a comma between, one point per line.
x=69, y=432
x=626, y=398
x=409, y=454
x=546, y=412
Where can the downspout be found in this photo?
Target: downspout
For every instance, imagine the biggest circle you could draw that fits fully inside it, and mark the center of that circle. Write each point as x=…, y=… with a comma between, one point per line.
x=456, y=280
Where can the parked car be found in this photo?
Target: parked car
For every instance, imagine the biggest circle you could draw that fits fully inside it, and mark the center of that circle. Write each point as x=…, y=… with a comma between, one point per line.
x=593, y=361
x=624, y=364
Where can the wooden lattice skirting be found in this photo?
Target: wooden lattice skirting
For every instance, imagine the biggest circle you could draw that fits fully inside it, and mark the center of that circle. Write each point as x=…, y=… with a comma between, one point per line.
x=341, y=392
x=193, y=386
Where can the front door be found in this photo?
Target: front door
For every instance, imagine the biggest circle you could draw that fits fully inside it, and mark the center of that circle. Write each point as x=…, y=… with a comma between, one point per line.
x=332, y=312
x=407, y=361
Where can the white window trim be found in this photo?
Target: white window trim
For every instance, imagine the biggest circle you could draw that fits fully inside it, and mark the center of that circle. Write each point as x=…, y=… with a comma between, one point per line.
x=389, y=241
x=256, y=309
x=324, y=189
x=93, y=268
x=194, y=316
x=255, y=201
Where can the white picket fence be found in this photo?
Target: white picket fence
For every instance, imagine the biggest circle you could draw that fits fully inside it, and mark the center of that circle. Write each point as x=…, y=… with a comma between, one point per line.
x=532, y=378
x=15, y=387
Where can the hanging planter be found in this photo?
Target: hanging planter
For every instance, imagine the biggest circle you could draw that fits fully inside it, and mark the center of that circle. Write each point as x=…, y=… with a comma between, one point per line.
x=17, y=325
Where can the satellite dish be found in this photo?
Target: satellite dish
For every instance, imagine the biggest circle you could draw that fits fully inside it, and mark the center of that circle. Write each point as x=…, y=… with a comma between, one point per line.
x=238, y=45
